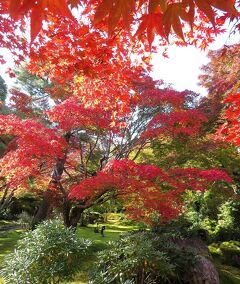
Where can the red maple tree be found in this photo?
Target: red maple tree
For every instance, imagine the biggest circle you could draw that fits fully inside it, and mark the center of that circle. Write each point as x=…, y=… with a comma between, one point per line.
x=105, y=110
x=85, y=154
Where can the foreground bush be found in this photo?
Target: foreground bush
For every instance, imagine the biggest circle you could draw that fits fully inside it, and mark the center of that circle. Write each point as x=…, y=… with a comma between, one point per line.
x=143, y=257
x=47, y=255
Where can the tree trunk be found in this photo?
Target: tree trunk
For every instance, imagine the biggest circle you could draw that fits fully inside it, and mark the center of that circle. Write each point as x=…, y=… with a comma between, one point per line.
x=46, y=206
x=6, y=199
x=75, y=216
x=41, y=212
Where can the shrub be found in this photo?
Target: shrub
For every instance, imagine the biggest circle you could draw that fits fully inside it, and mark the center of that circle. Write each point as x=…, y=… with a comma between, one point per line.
x=231, y=253
x=26, y=202
x=226, y=234
x=226, y=252
x=47, y=255
x=25, y=220
x=142, y=257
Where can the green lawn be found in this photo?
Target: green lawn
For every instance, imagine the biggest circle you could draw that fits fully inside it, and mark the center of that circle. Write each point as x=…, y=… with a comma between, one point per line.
x=228, y=274
x=8, y=241
x=111, y=233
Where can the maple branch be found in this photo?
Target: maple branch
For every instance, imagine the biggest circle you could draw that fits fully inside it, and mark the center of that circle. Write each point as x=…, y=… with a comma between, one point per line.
x=5, y=143
x=65, y=170
x=139, y=150
x=91, y=152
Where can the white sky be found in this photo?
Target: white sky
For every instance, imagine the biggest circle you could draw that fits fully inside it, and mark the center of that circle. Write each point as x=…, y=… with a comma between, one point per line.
x=181, y=69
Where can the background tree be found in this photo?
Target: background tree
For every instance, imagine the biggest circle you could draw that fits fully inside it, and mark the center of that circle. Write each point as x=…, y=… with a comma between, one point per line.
x=3, y=90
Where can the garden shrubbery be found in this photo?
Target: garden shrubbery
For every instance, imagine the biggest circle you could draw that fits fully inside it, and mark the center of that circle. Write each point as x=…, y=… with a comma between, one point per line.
x=49, y=254
x=143, y=257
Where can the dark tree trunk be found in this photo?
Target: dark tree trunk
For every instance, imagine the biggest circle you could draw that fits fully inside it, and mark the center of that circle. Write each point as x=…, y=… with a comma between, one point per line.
x=75, y=216
x=41, y=212
x=46, y=206
x=66, y=214
x=6, y=199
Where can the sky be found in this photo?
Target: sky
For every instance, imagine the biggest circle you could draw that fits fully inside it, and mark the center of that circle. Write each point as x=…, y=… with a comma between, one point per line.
x=181, y=69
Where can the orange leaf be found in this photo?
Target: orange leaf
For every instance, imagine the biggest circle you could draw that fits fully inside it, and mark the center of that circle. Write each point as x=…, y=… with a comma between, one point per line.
x=163, y=5
x=17, y=7
x=153, y=24
x=206, y=8
x=152, y=6
x=225, y=5
x=59, y=7
x=36, y=22
x=102, y=11
x=171, y=19
x=121, y=8
x=187, y=12
x=74, y=3
x=115, y=10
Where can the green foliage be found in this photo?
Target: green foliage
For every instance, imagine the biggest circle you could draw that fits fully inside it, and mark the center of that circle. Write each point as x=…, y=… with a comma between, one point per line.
x=8, y=240
x=91, y=217
x=47, y=255
x=231, y=253
x=25, y=220
x=215, y=211
x=226, y=252
x=3, y=90
x=142, y=257
x=33, y=85
x=227, y=277
x=26, y=202
x=228, y=225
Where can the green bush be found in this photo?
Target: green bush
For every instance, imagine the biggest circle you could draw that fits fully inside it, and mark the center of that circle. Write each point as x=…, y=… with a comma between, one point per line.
x=142, y=257
x=231, y=253
x=25, y=220
x=226, y=252
x=47, y=255
x=26, y=202
x=226, y=234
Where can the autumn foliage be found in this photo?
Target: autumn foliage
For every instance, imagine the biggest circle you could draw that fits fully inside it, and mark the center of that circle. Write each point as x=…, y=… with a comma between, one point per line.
x=148, y=188
x=85, y=152
x=104, y=108
x=151, y=17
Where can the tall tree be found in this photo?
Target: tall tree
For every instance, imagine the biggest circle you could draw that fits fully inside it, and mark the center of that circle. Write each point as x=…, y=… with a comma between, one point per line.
x=104, y=108
x=82, y=157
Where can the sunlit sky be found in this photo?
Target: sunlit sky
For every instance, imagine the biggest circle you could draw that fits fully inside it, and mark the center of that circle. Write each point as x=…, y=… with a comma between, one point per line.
x=181, y=69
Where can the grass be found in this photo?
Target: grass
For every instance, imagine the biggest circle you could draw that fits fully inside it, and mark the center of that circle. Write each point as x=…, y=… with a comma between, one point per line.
x=112, y=233
x=8, y=241
x=228, y=274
